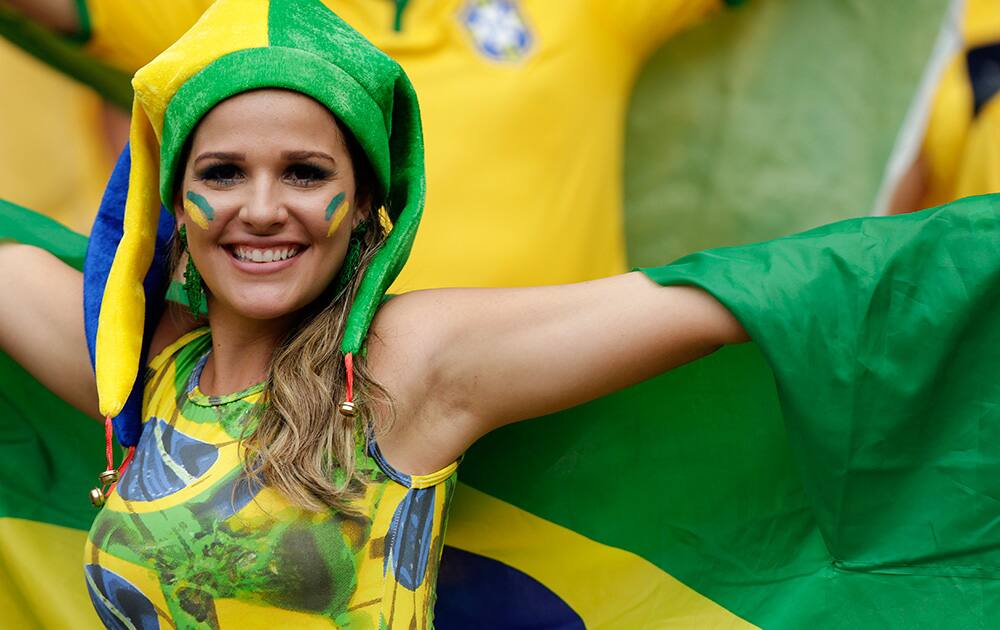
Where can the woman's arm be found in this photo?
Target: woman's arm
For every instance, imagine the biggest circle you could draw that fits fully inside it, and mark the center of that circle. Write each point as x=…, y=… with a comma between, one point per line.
x=461, y=362
x=41, y=322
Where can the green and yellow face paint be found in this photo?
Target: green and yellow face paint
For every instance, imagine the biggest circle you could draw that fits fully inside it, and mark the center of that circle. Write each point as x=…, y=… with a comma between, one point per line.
x=336, y=211
x=198, y=208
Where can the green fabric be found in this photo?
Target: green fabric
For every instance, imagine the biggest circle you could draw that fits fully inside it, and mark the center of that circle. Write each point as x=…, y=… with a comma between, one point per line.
x=872, y=504
x=884, y=337
x=52, y=477
x=367, y=91
x=65, y=55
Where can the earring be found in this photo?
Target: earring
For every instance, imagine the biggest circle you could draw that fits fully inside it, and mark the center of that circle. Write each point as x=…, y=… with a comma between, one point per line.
x=351, y=260
x=193, y=287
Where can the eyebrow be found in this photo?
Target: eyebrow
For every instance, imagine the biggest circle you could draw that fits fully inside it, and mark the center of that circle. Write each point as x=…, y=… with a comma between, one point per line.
x=287, y=155
x=221, y=155
x=305, y=155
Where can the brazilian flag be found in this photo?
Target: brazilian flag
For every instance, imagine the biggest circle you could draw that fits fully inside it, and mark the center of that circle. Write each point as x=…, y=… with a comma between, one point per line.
x=838, y=472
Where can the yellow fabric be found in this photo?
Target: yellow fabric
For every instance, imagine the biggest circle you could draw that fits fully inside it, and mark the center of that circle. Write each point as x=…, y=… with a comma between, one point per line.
x=981, y=23
x=41, y=584
x=52, y=149
x=119, y=332
x=524, y=157
x=960, y=151
x=644, y=596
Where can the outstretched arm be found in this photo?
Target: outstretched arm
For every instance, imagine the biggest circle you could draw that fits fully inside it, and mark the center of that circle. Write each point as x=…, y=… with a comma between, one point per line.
x=41, y=322
x=461, y=362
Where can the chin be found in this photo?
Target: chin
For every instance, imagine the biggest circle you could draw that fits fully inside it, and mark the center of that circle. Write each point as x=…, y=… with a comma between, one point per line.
x=264, y=305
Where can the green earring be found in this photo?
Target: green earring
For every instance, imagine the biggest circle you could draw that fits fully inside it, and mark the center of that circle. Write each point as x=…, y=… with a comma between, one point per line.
x=194, y=289
x=351, y=260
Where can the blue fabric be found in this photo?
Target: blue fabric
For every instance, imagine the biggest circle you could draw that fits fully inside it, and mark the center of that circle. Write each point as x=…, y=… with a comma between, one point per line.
x=479, y=592
x=410, y=537
x=104, y=239
x=153, y=477
x=116, y=598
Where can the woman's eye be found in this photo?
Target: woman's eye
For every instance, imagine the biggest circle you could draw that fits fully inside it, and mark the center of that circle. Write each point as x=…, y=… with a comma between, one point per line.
x=306, y=174
x=222, y=174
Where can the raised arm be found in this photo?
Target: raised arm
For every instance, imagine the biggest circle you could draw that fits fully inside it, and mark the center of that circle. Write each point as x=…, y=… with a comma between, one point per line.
x=462, y=362
x=41, y=322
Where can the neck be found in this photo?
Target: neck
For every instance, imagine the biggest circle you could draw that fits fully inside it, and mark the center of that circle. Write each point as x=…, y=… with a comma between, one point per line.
x=241, y=350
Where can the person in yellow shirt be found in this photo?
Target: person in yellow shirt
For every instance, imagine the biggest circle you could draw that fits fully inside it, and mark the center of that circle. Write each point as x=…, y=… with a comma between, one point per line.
x=960, y=155
x=527, y=100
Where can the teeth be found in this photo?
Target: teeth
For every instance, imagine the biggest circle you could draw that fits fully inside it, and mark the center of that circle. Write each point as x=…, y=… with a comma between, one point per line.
x=265, y=255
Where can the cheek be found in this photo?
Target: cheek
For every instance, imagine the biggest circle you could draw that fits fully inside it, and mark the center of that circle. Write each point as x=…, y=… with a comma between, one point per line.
x=336, y=210
x=198, y=208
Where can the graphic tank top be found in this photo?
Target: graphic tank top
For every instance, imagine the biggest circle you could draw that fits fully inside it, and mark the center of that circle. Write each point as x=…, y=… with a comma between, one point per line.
x=186, y=541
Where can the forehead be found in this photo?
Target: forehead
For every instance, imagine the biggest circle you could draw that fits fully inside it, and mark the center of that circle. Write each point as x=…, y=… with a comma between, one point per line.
x=270, y=118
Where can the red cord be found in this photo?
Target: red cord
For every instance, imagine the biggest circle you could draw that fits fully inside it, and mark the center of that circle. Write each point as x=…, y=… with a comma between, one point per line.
x=107, y=443
x=126, y=461
x=349, y=364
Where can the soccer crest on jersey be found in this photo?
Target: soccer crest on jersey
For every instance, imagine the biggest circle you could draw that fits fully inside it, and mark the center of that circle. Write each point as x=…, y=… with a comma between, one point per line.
x=497, y=28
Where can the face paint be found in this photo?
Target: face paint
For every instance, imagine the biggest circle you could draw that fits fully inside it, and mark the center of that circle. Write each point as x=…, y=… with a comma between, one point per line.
x=335, y=212
x=199, y=209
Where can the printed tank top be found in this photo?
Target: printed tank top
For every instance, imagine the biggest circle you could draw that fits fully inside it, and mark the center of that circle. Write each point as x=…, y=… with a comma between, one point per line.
x=186, y=541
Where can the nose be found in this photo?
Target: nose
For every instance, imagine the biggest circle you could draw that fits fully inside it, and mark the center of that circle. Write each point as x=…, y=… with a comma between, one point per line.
x=264, y=211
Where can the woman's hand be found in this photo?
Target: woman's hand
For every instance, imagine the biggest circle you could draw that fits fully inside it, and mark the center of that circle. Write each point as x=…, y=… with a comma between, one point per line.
x=462, y=362
x=41, y=323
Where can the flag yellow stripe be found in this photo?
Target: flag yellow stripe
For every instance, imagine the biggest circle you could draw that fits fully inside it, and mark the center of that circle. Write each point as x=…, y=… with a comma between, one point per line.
x=41, y=577
x=585, y=574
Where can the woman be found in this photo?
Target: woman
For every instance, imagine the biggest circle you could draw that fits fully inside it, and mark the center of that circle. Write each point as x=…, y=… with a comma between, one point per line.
x=264, y=489
x=276, y=194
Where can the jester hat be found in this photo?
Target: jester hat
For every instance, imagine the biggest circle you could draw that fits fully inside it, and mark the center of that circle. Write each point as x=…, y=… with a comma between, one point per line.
x=237, y=46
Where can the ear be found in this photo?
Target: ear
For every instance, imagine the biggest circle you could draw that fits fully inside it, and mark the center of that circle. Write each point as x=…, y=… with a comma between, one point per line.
x=362, y=209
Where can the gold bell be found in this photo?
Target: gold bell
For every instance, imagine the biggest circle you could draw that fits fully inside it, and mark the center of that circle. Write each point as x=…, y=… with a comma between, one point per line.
x=97, y=497
x=348, y=409
x=108, y=477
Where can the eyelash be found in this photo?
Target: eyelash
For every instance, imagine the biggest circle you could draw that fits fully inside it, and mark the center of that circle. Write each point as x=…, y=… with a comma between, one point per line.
x=300, y=174
x=312, y=173
x=220, y=174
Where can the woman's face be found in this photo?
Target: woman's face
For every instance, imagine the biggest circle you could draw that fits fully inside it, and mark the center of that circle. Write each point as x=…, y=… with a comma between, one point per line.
x=268, y=200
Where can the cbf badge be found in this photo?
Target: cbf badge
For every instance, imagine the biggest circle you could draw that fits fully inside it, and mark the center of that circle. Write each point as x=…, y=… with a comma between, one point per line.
x=497, y=28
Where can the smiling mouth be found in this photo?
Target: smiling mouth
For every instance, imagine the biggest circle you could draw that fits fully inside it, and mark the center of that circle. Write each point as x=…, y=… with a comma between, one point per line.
x=264, y=255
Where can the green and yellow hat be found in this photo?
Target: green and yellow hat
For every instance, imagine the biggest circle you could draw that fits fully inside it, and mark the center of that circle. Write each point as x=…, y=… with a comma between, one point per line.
x=241, y=45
